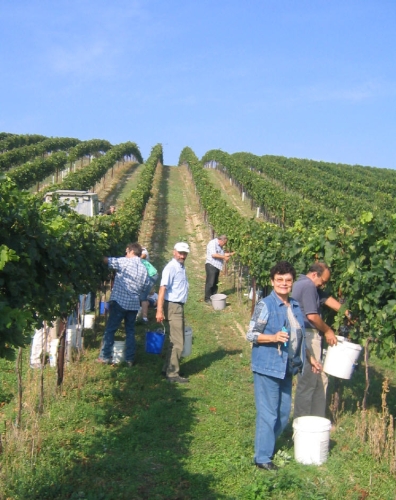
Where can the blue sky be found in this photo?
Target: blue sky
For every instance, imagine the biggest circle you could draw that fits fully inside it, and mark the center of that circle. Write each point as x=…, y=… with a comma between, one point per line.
x=310, y=79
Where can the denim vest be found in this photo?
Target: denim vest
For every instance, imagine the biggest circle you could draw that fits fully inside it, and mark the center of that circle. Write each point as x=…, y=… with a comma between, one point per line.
x=266, y=358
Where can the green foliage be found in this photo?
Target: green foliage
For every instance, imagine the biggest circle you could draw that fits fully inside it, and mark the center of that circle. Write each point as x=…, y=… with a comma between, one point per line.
x=23, y=154
x=49, y=254
x=124, y=225
x=361, y=255
x=35, y=171
x=87, y=177
x=11, y=141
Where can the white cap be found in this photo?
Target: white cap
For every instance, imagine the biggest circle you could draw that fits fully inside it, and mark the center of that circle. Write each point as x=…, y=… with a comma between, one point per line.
x=182, y=247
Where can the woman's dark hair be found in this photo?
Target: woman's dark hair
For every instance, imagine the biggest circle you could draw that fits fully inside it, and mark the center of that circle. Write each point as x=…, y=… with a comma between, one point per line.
x=283, y=267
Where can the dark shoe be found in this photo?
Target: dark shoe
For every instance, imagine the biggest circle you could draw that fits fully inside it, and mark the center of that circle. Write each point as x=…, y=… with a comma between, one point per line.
x=267, y=466
x=104, y=361
x=208, y=302
x=177, y=380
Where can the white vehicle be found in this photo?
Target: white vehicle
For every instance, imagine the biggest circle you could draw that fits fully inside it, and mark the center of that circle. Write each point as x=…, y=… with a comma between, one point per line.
x=82, y=202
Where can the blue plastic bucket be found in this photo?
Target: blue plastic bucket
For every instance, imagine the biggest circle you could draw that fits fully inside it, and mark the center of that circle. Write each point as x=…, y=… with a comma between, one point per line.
x=103, y=307
x=154, y=342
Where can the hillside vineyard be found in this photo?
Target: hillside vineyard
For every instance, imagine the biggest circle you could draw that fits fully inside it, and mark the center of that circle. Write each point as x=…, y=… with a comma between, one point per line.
x=342, y=214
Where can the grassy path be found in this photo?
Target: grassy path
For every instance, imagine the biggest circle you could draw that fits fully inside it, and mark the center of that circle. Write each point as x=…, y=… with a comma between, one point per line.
x=116, y=181
x=230, y=193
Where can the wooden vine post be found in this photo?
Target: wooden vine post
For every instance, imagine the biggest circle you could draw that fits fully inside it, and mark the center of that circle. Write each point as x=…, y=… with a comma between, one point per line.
x=19, y=375
x=366, y=362
x=62, y=351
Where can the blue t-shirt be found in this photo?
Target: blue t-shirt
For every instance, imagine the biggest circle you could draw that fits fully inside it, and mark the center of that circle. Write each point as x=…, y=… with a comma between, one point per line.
x=308, y=296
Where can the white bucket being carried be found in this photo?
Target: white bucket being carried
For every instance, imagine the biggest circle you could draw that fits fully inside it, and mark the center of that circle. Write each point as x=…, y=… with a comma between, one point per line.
x=119, y=351
x=187, y=342
x=341, y=358
x=311, y=440
x=218, y=301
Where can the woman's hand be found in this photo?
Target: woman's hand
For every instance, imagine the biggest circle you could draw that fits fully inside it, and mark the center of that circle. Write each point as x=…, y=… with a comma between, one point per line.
x=281, y=337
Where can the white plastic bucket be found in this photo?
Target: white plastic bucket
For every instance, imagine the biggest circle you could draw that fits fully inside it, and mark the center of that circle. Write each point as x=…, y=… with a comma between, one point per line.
x=119, y=351
x=89, y=320
x=38, y=347
x=187, y=342
x=71, y=336
x=311, y=440
x=79, y=337
x=341, y=358
x=53, y=353
x=218, y=301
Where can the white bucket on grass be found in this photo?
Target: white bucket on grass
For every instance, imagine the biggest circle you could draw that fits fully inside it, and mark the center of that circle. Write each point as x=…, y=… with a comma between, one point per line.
x=311, y=440
x=53, y=352
x=71, y=335
x=218, y=301
x=187, y=342
x=89, y=320
x=119, y=351
x=341, y=358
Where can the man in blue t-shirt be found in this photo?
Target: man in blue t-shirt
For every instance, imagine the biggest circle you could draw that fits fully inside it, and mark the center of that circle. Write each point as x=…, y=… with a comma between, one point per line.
x=310, y=396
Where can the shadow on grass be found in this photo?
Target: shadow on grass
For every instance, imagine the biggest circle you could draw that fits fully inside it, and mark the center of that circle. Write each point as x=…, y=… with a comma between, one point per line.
x=200, y=363
x=144, y=439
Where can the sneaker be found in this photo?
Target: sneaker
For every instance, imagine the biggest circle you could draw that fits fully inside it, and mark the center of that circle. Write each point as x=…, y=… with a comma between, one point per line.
x=177, y=380
x=145, y=320
x=130, y=363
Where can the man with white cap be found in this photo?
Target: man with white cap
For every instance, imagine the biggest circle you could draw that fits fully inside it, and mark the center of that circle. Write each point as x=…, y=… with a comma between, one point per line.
x=172, y=296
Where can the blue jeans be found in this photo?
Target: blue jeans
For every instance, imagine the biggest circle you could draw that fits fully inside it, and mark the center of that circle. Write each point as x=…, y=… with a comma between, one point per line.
x=116, y=315
x=273, y=405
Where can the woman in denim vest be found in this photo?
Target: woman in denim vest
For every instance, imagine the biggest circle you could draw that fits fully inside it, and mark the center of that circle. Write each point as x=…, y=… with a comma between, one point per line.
x=277, y=333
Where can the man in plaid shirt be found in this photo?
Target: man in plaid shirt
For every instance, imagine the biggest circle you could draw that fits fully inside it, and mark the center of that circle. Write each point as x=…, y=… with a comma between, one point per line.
x=130, y=281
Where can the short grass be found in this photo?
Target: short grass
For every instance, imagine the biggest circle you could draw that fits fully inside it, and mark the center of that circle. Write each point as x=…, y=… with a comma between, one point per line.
x=126, y=433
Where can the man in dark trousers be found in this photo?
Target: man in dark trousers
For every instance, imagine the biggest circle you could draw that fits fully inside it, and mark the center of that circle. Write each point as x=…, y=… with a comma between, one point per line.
x=310, y=398
x=215, y=258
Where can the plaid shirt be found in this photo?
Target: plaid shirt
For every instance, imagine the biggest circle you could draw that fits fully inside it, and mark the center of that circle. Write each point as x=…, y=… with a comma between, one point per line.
x=130, y=280
x=212, y=248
